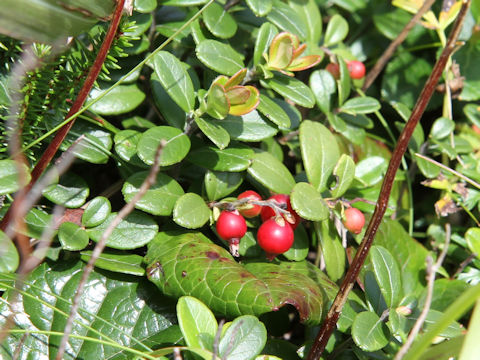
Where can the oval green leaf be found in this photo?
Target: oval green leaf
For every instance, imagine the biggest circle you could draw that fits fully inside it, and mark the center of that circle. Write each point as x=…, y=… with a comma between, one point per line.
x=120, y=100
x=219, y=57
x=300, y=247
x=249, y=128
x=220, y=184
x=9, y=260
x=96, y=211
x=119, y=262
x=369, y=332
x=387, y=273
x=271, y=173
x=219, y=22
x=273, y=112
x=371, y=170
x=360, y=105
x=71, y=191
x=214, y=131
x=287, y=19
x=337, y=30
x=344, y=173
x=234, y=158
x=266, y=33
x=190, y=211
x=293, y=89
x=260, y=7
x=324, y=87
x=308, y=203
x=9, y=179
x=72, y=237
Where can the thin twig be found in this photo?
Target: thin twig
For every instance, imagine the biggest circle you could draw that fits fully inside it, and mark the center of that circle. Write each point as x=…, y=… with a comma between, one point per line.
x=97, y=251
x=216, y=341
x=463, y=265
x=431, y=271
x=335, y=310
x=388, y=53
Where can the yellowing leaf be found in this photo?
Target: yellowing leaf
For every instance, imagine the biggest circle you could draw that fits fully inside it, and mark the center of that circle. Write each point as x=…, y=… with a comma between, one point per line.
x=305, y=62
x=281, y=51
x=249, y=105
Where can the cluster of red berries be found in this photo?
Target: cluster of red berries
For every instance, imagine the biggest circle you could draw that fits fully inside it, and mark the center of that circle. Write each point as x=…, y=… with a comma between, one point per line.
x=355, y=68
x=275, y=236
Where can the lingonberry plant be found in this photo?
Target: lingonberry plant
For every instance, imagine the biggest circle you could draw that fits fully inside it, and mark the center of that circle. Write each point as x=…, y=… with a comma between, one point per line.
x=141, y=140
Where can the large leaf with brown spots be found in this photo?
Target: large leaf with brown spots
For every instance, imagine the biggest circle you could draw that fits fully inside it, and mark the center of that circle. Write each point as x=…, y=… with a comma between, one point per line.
x=190, y=264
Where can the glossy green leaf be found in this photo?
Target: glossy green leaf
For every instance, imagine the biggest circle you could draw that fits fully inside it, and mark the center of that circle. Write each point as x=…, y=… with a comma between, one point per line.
x=191, y=211
x=445, y=292
x=219, y=22
x=234, y=158
x=470, y=346
x=219, y=57
x=71, y=191
x=124, y=312
x=465, y=58
x=280, y=52
x=320, y=153
x=308, y=203
x=337, y=30
x=344, y=83
x=273, y=112
x=441, y=128
x=37, y=222
x=472, y=236
x=418, y=137
x=9, y=260
x=217, y=102
x=183, y=2
x=324, y=87
x=72, y=237
x=159, y=199
x=271, y=173
x=260, y=7
x=214, y=130
x=134, y=231
x=369, y=332
x=387, y=273
x=251, y=127
x=310, y=15
x=9, y=177
x=360, y=105
x=220, y=184
x=195, y=319
x=244, y=339
x=177, y=145
x=224, y=279
x=126, y=146
x=174, y=79
x=266, y=33
x=344, y=173
x=287, y=19
x=332, y=249
x=171, y=112
x=145, y=6
x=371, y=170
x=96, y=211
x=293, y=89
x=120, y=100
x=300, y=247
x=119, y=262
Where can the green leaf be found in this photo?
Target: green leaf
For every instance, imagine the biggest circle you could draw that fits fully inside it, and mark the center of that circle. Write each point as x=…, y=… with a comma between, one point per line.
x=337, y=30
x=159, y=199
x=174, y=79
x=96, y=211
x=37, y=222
x=320, y=153
x=332, y=249
x=145, y=6
x=441, y=128
x=244, y=339
x=470, y=346
x=214, y=131
x=272, y=173
x=120, y=100
x=273, y=112
x=219, y=22
x=344, y=83
x=234, y=158
x=324, y=87
x=360, y=105
x=293, y=89
x=219, y=57
x=369, y=332
x=72, y=237
x=220, y=184
x=266, y=33
x=71, y=191
x=300, y=247
x=171, y=112
x=195, y=319
x=308, y=203
x=249, y=128
x=126, y=146
x=190, y=211
x=387, y=273
x=134, y=231
x=260, y=7
x=9, y=260
x=9, y=177
x=217, y=101
x=176, y=262
x=465, y=58
x=445, y=292
x=371, y=170
x=128, y=313
x=183, y=2
x=176, y=147
x=287, y=19
x=472, y=236
x=310, y=15
x=123, y=263
x=344, y=172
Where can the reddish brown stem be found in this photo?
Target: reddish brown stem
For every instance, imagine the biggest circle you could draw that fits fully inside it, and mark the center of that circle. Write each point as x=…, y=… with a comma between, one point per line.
x=382, y=203
x=80, y=100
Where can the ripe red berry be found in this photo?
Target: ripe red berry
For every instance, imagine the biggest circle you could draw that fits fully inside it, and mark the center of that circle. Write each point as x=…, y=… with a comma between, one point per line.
x=252, y=210
x=354, y=220
x=231, y=227
x=356, y=69
x=282, y=199
x=275, y=238
x=333, y=69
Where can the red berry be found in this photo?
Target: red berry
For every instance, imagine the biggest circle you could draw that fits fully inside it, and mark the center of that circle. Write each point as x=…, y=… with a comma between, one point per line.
x=282, y=199
x=476, y=129
x=354, y=220
x=253, y=210
x=275, y=238
x=231, y=225
x=356, y=69
x=333, y=69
